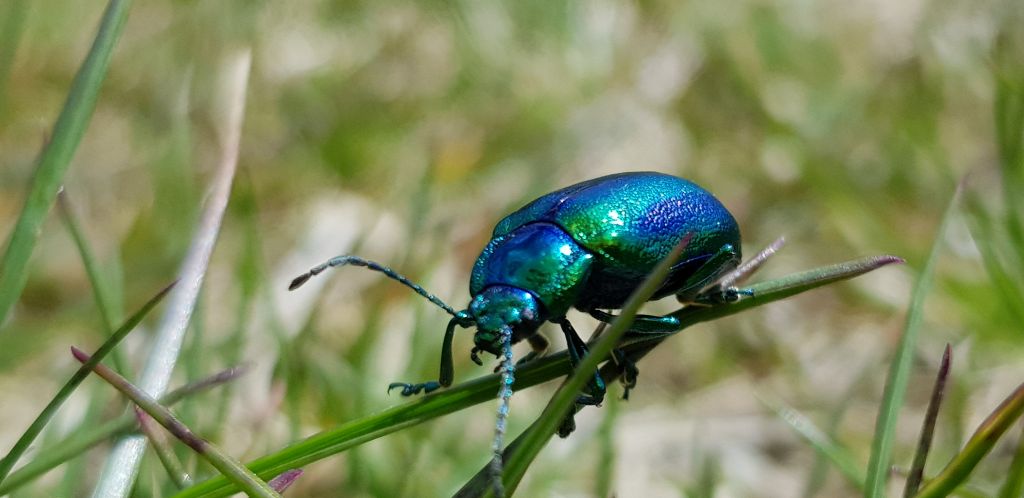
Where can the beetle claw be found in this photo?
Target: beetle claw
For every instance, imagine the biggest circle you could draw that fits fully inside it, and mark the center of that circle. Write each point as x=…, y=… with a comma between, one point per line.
x=414, y=389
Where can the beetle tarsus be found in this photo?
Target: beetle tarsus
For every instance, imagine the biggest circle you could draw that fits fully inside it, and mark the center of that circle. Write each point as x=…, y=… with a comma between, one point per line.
x=414, y=389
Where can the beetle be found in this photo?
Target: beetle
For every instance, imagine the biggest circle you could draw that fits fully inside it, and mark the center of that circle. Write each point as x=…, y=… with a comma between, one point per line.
x=587, y=246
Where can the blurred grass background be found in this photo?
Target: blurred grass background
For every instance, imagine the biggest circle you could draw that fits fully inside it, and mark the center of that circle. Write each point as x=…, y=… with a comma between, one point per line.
x=403, y=131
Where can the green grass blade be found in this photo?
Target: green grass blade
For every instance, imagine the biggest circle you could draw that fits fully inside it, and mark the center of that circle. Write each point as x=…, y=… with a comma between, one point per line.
x=57, y=154
x=603, y=483
x=1013, y=486
x=92, y=271
x=841, y=457
x=51, y=408
x=13, y=27
x=482, y=389
x=86, y=437
x=770, y=291
x=979, y=445
x=563, y=400
x=899, y=370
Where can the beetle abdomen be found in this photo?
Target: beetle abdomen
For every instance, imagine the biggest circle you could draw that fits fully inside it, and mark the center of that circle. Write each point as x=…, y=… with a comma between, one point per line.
x=630, y=222
x=540, y=258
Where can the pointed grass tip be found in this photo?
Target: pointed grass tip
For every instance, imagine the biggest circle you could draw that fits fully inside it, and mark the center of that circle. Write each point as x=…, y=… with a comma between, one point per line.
x=284, y=480
x=79, y=355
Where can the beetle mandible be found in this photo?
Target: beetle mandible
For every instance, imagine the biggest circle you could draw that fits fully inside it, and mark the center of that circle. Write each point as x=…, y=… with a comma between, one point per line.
x=588, y=246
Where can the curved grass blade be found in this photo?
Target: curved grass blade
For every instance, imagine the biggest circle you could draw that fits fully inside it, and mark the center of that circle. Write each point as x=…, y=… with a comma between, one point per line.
x=899, y=370
x=928, y=427
x=163, y=450
x=979, y=445
x=56, y=155
x=565, y=397
x=840, y=456
x=122, y=465
x=1013, y=487
x=228, y=466
x=636, y=347
x=99, y=291
x=482, y=389
x=83, y=438
x=44, y=417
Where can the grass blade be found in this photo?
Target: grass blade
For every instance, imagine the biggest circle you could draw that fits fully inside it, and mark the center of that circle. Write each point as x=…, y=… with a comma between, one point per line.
x=56, y=155
x=840, y=456
x=899, y=370
x=84, y=438
x=10, y=40
x=119, y=473
x=229, y=467
x=92, y=271
x=51, y=408
x=1013, y=487
x=979, y=445
x=482, y=389
x=564, y=398
x=928, y=427
x=175, y=471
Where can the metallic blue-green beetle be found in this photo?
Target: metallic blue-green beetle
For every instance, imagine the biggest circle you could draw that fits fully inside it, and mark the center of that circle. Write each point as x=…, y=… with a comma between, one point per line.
x=587, y=246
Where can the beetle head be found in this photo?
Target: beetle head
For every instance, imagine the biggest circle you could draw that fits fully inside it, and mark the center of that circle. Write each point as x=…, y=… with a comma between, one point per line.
x=498, y=307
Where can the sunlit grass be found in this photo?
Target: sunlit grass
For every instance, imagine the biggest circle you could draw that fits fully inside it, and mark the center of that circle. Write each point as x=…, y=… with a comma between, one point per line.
x=403, y=132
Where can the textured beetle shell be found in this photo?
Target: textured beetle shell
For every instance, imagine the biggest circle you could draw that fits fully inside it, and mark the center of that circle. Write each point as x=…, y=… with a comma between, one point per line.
x=630, y=222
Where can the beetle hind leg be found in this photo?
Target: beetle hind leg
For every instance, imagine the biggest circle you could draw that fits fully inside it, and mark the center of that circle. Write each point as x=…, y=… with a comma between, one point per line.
x=628, y=372
x=725, y=259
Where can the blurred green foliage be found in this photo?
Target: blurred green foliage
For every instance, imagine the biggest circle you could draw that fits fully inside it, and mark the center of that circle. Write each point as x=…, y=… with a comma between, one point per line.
x=403, y=131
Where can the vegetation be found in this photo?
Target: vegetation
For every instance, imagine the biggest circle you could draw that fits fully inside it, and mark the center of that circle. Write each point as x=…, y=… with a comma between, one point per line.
x=402, y=132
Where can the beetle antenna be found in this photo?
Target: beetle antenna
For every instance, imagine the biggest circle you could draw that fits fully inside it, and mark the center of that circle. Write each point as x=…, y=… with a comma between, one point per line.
x=508, y=377
x=372, y=265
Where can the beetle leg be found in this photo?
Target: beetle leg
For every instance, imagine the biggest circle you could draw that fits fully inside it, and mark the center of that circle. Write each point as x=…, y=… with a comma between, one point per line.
x=577, y=350
x=628, y=370
x=447, y=371
x=643, y=324
x=539, y=345
x=724, y=260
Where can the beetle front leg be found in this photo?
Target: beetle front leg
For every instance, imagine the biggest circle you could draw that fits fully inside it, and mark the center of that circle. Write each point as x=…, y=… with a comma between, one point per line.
x=577, y=350
x=538, y=345
x=447, y=371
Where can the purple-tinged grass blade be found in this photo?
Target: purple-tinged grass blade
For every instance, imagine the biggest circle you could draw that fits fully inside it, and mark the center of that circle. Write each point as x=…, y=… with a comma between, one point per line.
x=284, y=480
x=928, y=426
x=249, y=482
x=69, y=387
x=83, y=438
x=175, y=470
